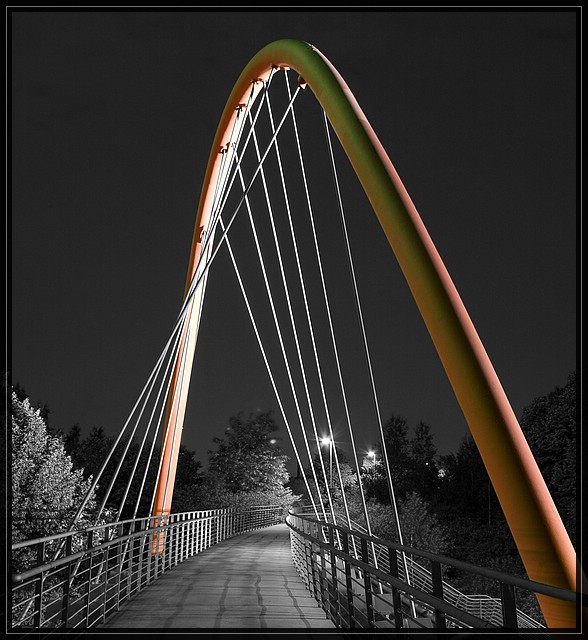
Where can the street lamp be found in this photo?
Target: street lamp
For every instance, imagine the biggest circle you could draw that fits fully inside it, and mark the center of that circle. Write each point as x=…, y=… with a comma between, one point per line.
x=372, y=455
x=326, y=440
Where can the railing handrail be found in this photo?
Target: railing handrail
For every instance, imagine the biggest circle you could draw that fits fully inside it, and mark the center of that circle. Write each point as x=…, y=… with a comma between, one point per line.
x=515, y=581
x=91, y=575
x=116, y=523
x=491, y=605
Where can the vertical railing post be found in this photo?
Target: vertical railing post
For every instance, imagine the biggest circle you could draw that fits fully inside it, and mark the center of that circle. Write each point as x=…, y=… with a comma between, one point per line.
x=172, y=532
x=198, y=533
x=190, y=534
x=184, y=546
x=334, y=590
x=312, y=562
x=396, y=601
x=119, y=563
x=39, y=586
x=129, y=548
x=367, y=585
x=150, y=523
x=89, y=545
x=137, y=552
x=174, y=547
x=438, y=593
x=192, y=530
x=162, y=542
x=180, y=550
x=348, y=582
x=103, y=572
x=66, y=584
x=323, y=576
x=509, y=609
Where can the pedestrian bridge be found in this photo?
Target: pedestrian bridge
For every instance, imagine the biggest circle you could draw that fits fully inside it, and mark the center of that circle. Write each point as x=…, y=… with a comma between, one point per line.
x=250, y=569
x=228, y=568
x=245, y=582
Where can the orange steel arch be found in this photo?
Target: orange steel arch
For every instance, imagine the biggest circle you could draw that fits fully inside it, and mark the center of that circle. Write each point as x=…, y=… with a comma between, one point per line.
x=537, y=529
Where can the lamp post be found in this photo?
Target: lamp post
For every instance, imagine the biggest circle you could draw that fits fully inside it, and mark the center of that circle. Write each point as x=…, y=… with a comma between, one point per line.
x=327, y=440
x=372, y=455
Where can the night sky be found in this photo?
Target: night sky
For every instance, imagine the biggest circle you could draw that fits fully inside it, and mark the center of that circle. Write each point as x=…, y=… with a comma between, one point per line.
x=112, y=119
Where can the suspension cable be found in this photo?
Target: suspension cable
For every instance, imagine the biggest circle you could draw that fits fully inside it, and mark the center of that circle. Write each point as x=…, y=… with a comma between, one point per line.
x=92, y=488
x=221, y=190
x=366, y=349
x=308, y=317
x=291, y=315
x=268, y=367
x=331, y=328
x=168, y=377
x=182, y=373
x=223, y=185
x=275, y=317
x=205, y=264
x=150, y=382
x=196, y=278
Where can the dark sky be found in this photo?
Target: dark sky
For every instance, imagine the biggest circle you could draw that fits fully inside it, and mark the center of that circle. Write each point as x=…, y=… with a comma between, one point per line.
x=113, y=115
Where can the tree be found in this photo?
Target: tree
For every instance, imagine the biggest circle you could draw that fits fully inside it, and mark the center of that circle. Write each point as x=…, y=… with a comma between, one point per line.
x=421, y=529
x=423, y=452
x=188, y=478
x=46, y=489
x=399, y=461
x=412, y=462
x=249, y=458
x=91, y=452
x=465, y=489
x=550, y=426
x=22, y=395
x=247, y=469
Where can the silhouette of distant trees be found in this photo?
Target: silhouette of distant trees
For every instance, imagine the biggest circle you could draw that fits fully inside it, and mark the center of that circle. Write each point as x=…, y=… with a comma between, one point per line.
x=446, y=502
x=550, y=424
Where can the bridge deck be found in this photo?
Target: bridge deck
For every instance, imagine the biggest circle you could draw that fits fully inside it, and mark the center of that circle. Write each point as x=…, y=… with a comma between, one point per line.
x=246, y=582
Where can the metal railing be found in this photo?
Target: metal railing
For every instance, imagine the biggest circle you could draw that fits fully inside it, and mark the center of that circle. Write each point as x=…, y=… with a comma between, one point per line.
x=360, y=582
x=480, y=605
x=76, y=579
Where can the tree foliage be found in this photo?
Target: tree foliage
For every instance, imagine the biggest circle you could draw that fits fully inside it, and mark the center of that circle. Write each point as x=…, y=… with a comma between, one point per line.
x=189, y=477
x=420, y=526
x=248, y=468
x=249, y=458
x=412, y=460
x=91, y=452
x=550, y=426
x=46, y=489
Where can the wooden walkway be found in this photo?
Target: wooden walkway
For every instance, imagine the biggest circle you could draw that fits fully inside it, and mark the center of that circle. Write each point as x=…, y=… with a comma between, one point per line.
x=246, y=582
